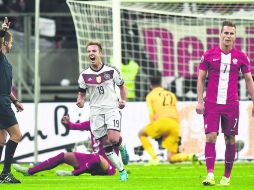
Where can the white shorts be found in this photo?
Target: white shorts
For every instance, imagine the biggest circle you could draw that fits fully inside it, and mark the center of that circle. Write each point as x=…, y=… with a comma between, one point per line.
x=101, y=123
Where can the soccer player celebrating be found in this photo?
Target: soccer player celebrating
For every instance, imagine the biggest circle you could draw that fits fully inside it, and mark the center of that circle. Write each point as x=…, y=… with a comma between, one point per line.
x=96, y=163
x=221, y=103
x=8, y=121
x=164, y=123
x=99, y=82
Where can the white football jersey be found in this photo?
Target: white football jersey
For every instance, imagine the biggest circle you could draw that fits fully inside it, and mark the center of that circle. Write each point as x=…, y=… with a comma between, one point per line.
x=100, y=86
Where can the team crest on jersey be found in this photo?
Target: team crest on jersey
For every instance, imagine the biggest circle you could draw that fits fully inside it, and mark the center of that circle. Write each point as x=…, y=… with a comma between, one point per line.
x=106, y=76
x=98, y=79
x=235, y=61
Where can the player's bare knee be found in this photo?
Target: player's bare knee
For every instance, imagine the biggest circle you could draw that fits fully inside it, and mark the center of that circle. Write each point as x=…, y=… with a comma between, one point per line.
x=211, y=137
x=229, y=139
x=2, y=141
x=3, y=137
x=113, y=139
x=16, y=137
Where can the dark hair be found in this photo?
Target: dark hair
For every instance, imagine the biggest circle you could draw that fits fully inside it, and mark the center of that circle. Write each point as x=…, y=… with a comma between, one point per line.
x=94, y=42
x=155, y=80
x=227, y=23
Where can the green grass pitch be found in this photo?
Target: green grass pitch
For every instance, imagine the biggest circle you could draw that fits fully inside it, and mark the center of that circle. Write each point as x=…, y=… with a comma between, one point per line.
x=164, y=176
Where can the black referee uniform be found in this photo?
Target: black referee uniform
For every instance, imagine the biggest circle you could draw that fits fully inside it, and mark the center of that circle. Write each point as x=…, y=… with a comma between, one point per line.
x=7, y=116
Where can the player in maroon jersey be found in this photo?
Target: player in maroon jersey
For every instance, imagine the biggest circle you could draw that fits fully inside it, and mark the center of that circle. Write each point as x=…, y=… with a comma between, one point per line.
x=96, y=163
x=221, y=103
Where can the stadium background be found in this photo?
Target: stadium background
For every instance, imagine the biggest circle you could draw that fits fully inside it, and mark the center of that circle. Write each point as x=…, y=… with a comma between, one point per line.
x=159, y=40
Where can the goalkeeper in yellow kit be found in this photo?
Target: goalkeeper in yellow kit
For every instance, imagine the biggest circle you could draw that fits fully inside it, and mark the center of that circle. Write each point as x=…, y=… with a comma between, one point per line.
x=164, y=124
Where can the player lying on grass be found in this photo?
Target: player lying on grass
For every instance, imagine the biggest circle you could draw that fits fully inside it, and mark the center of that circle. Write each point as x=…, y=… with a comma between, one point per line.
x=96, y=163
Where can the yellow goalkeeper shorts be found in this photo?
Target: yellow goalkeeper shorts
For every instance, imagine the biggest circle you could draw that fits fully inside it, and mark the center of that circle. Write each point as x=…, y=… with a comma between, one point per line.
x=166, y=128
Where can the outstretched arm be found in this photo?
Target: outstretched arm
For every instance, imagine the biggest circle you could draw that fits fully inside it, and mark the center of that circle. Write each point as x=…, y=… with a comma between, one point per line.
x=84, y=126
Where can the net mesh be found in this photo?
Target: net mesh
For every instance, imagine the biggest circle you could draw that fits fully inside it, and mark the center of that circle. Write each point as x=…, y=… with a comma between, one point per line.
x=166, y=39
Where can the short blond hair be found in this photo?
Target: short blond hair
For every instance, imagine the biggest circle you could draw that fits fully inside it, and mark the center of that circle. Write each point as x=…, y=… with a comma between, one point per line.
x=94, y=42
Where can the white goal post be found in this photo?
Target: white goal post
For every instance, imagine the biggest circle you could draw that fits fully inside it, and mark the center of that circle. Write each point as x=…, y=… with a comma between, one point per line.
x=162, y=37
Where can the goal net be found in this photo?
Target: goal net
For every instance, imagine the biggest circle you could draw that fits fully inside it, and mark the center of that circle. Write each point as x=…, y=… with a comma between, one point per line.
x=162, y=38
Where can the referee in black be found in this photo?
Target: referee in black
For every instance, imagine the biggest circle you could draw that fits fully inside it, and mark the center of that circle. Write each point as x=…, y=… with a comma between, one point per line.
x=8, y=121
